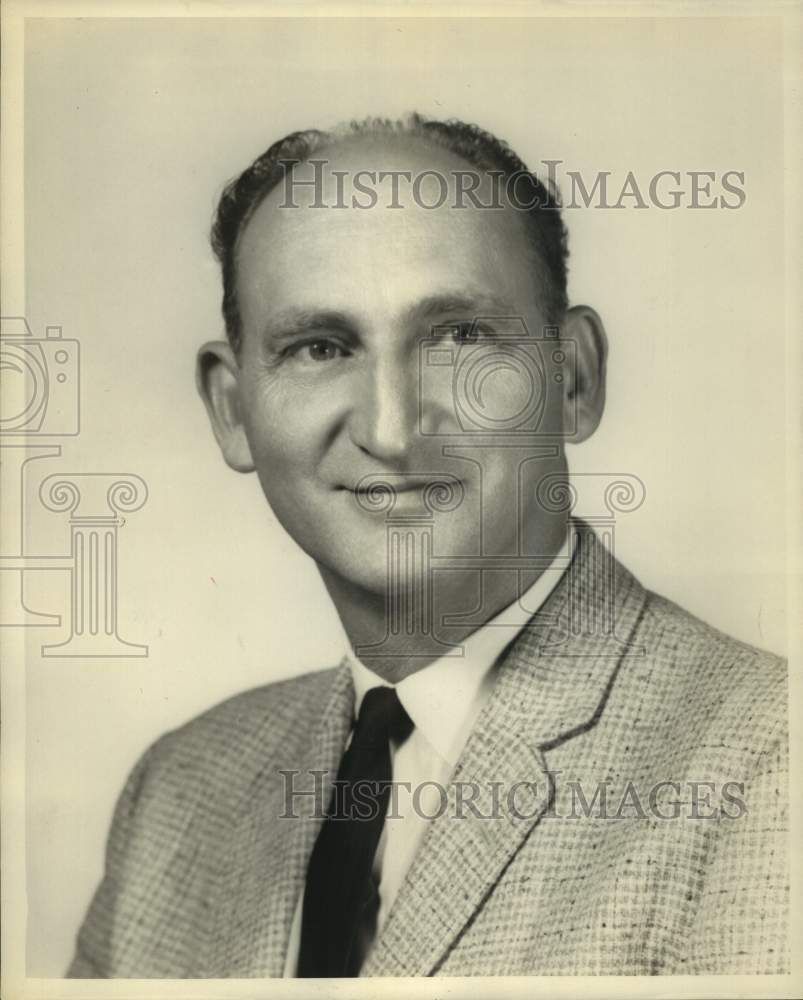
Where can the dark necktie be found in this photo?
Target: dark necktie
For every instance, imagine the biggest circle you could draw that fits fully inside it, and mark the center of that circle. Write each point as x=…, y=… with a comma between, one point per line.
x=340, y=897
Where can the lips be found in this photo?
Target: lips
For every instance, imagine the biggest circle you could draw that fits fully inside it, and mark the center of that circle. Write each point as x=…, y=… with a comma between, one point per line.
x=384, y=485
x=398, y=484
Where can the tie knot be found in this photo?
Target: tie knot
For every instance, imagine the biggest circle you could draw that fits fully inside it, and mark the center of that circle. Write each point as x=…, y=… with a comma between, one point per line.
x=382, y=717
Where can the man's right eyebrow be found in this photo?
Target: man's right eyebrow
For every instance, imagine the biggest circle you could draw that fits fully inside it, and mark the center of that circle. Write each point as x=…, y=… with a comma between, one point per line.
x=296, y=322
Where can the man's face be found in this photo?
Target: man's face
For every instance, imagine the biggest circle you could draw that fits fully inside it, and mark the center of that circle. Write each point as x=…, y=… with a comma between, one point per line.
x=335, y=303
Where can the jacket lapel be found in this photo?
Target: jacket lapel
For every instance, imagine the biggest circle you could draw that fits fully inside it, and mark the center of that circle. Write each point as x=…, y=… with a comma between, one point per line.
x=268, y=855
x=552, y=684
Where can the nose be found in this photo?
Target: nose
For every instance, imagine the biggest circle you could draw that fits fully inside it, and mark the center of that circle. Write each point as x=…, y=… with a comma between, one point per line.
x=384, y=414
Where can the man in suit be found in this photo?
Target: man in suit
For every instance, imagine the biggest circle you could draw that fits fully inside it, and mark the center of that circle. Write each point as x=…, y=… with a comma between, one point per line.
x=526, y=762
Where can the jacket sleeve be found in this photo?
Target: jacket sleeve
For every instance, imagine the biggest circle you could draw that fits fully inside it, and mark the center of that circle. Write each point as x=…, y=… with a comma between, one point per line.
x=93, y=958
x=741, y=924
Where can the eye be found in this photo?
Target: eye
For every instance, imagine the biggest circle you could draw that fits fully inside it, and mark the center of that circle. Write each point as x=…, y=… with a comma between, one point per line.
x=470, y=332
x=320, y=350
x=464, y=333
x=458, y=331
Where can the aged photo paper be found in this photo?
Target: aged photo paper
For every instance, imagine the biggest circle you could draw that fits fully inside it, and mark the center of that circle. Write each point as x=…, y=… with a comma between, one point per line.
x=401, y=490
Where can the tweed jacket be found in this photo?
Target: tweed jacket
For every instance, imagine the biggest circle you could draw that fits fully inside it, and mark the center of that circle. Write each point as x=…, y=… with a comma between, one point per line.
x=646, y=832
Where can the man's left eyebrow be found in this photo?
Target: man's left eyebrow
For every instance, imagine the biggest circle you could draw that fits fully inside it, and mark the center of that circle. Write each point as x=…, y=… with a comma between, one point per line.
x=470, y=302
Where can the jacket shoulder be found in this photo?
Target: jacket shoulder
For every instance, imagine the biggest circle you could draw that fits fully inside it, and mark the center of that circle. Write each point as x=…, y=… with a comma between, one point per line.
x=249, y=710
x=731, y=684
x=182, y=796
x=222, y=750
x=691, y=636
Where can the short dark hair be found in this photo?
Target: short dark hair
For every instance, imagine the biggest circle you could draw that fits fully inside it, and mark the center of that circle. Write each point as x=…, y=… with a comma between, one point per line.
x=242, y=196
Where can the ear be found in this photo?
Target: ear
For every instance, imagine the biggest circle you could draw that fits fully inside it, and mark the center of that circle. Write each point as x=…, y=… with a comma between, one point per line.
x=217, y=376
x=584, y=398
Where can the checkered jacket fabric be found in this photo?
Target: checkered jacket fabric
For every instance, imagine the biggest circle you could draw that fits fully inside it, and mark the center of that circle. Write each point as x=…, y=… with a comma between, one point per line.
x=628, y=813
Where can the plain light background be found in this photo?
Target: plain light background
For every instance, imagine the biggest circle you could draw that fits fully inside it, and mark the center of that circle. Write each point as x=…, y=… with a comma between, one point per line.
x=132, y=126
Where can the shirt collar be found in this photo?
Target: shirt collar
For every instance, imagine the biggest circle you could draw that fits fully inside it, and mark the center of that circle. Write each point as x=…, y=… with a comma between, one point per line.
x=444, y=698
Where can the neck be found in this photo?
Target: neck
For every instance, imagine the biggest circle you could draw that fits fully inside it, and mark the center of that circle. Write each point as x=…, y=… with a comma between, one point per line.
x=396, y=653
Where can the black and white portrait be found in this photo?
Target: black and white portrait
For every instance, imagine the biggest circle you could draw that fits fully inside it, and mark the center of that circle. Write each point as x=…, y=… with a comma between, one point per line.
x=396, y=512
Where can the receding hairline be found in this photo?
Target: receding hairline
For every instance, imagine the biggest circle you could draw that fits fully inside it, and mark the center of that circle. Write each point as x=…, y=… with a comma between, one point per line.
x=336, y=147
x=465, y=147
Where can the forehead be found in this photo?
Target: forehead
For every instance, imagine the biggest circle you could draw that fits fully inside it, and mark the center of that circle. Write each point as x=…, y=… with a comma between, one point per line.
x=317, y=245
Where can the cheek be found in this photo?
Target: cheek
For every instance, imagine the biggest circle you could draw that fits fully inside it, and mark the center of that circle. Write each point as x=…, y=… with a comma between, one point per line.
x=290, y=430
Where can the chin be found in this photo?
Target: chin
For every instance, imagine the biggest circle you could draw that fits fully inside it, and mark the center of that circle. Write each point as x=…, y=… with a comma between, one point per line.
x=369, y=574
x=360, y=567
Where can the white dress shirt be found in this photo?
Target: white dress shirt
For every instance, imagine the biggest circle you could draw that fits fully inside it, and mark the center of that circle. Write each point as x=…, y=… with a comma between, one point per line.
x=443, y=700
